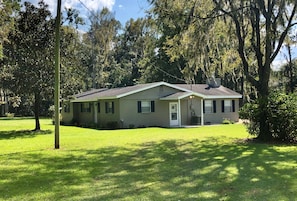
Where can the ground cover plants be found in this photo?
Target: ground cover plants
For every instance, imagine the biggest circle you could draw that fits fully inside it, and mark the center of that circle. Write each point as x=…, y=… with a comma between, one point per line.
x=204, y=163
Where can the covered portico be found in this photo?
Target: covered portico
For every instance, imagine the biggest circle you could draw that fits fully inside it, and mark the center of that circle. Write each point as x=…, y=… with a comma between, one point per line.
x=185, y=108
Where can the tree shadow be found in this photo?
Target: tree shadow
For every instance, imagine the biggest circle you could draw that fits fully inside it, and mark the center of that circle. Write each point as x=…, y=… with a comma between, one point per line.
x=12, y=134
x=168, y=170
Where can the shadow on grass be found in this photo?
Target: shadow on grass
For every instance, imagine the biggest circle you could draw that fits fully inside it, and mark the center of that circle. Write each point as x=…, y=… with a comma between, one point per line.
x=4, y=135
x=169, y=170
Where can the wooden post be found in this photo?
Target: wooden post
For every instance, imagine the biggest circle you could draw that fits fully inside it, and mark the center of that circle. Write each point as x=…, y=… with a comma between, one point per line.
x=57, y=76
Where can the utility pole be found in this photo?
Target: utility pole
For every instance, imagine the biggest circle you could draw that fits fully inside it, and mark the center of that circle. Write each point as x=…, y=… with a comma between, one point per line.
x=57, y=76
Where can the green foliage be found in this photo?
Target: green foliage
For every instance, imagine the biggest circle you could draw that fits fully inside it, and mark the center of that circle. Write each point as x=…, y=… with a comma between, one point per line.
x=8, y=8
x=281, y=113
x=227, y=121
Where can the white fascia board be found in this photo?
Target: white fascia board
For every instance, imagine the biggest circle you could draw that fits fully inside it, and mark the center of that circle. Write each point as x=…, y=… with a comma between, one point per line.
x=223, y=97
x=83, y=101
x=184, y=96
x=176, y=87
x=152, y=86
x=199, y=95
x=192, y=94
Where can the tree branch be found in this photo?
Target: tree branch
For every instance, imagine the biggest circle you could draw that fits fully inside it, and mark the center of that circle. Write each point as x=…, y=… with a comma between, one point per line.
x=284, y=34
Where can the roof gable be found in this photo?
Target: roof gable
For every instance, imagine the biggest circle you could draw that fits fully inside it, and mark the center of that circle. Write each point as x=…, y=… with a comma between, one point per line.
x=200, y=90
x=115, y=93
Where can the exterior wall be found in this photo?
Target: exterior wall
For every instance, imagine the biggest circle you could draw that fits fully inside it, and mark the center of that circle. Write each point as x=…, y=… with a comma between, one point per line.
x=67, y=117
x=219, y=116
x=130, y=117
x=84, y=117
x=104, y=118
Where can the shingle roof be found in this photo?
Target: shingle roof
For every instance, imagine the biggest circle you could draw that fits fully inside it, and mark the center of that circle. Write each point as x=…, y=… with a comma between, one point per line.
x=201, y=90
x=209, y=91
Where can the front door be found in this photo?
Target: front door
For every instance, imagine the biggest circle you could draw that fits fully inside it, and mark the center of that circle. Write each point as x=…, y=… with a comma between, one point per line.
x=173, y=114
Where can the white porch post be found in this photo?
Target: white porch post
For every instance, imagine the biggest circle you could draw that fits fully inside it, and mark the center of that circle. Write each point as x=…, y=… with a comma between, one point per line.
x=179, y=113
x=201, y=109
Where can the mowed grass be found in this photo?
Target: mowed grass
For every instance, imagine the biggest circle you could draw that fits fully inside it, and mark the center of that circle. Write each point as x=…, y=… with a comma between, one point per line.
x=205, y=163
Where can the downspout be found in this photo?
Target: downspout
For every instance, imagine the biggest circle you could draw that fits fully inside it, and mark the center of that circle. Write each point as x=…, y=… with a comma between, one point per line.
x=201, y=111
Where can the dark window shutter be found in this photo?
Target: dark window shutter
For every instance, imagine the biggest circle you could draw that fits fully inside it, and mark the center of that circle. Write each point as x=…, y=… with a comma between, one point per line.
x=203, y=106
x=98, y=107
x=106, y=107
x=223, y=106
x=112, y=105
x=233, y=105
x=152, y=106
x=214, y=105
x=139, y=106
x=81, y=107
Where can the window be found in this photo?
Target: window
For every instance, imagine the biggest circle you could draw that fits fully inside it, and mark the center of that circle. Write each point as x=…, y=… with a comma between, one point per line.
x=66, y=107
x=85, y=107
x=109, y=107
x=209, y=106
x=228, y=105
x=146, y=106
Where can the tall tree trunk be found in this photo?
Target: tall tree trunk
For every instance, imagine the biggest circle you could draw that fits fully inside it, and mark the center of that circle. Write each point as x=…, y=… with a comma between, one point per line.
x=37, y=110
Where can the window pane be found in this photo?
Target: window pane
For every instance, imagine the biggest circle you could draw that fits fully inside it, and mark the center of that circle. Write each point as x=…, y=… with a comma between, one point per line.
x=227, y=105
x=145, y=106
x=173, y=116
x=208, y=106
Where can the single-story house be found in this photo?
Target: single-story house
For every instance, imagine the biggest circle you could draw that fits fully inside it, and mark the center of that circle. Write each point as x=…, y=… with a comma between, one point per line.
x=153, y=104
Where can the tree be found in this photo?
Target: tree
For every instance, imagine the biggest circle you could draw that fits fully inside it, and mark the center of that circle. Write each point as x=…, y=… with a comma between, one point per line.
x=100, y=40
x=130, y=51
x=201, y=46
x=263, y=26
x=30, y=51
x=290, y=69
x=7, y=8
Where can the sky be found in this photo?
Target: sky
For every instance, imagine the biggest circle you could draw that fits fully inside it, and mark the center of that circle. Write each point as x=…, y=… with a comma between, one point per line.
x=123, y=9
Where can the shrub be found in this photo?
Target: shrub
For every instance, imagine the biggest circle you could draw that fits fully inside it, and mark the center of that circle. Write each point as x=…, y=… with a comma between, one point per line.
x=9, y=115
x=281, y=116
x=227, y=121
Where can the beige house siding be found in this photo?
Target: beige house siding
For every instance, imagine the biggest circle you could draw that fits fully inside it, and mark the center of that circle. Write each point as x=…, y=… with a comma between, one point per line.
x=67, y=116
x=129, y=110
x=105, y=118
x=85, y=117
x=219, y=116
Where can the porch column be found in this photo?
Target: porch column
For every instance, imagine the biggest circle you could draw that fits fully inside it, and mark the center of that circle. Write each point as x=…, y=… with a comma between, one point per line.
x=179, y=113
x=202, y=114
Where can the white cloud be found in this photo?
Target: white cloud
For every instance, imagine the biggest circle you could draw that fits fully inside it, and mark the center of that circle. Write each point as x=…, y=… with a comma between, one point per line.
x=80, y=5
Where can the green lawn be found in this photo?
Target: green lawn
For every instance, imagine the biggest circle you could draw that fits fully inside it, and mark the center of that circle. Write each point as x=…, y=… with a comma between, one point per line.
x=206, y=163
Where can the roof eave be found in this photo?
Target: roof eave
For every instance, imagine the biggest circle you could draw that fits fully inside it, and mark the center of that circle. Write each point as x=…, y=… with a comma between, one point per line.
x=223, y=96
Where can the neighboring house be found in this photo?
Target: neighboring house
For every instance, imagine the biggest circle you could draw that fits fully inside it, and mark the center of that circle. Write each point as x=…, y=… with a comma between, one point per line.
x=154, y=104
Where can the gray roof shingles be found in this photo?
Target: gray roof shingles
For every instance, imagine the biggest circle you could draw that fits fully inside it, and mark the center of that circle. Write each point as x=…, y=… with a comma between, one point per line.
x=203, y=89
